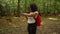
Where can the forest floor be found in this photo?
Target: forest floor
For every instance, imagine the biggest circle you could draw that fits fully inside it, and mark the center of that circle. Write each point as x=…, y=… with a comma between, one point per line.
x=18, y=25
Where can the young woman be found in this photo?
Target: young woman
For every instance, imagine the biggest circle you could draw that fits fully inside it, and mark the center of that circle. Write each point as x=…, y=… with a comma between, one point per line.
x=33, y=12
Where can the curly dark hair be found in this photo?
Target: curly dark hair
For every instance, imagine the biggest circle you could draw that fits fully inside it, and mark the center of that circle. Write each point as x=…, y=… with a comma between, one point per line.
x=33, y=7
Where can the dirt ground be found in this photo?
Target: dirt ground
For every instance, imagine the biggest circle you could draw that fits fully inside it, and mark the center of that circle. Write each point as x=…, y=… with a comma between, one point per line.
x=18, y=25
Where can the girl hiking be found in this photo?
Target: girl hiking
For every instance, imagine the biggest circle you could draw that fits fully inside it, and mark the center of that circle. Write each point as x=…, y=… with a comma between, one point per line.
x=31, y=16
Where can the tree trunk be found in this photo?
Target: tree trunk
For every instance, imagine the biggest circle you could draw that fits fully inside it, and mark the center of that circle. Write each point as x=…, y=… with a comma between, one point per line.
x=18, y=9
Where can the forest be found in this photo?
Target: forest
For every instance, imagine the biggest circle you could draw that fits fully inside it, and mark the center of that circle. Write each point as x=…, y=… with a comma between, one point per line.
x=11, y=21
x=14, y=7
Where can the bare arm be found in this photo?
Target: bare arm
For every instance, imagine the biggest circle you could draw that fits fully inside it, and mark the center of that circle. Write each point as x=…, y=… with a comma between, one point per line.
x=26, y=14
x=30, y=14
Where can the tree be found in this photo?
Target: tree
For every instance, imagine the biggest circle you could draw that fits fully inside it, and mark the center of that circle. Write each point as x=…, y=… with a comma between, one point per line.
x=2, y=12
x=18, y=9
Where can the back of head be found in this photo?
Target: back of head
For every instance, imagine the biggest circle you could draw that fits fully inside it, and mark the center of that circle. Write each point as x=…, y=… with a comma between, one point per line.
x=33, y=7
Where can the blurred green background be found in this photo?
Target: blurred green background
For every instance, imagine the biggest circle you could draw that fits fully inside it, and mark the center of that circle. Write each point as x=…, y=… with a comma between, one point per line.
x=14, y=7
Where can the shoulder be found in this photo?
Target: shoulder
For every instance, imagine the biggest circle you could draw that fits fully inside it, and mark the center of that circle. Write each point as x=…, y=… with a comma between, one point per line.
x=36, y=12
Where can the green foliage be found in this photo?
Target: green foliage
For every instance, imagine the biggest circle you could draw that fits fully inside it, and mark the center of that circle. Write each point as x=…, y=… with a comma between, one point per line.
x=44, y=6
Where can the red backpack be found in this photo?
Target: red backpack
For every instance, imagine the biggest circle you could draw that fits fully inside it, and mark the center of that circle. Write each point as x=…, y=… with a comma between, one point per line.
x=38, y=20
